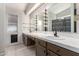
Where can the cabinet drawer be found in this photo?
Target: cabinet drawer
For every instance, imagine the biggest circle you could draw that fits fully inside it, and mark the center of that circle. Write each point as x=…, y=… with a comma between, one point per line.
x=41, y=42
x=61, y=51
x=30, y=41
x=66, y=52
x=50, y=53
x=52, y=47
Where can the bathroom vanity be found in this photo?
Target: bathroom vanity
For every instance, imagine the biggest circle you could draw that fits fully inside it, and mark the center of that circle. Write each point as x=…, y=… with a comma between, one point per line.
x=48, y=45
x=44, y=48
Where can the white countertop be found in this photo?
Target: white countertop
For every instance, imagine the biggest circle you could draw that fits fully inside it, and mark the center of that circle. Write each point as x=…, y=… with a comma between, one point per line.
x=66, y=40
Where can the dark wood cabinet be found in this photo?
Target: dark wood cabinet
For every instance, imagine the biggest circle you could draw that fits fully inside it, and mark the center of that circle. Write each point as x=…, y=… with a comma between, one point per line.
x=41, y=43
x=40, y=51
x=48, y=49
x=28, y=40
x=61, y=51
x=66, y=52
x=24, y=37
x=50, y=53
x=40, y=47
x=44, y=48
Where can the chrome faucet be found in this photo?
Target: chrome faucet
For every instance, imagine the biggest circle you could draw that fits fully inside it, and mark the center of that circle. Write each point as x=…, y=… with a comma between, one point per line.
x=55, y=34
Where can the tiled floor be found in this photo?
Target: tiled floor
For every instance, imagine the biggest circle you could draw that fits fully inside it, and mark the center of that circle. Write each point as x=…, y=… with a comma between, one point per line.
x=20, y=50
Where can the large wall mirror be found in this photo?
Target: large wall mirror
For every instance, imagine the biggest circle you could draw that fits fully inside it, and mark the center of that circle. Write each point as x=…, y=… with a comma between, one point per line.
x=54, y=17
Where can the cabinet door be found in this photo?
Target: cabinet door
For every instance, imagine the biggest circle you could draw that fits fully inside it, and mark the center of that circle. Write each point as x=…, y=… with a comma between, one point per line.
x=41, y=43
x=50, y=53
x=40, y=51
x=61, y=51
x=30, y=41
x=66, y=52
x=24, y=37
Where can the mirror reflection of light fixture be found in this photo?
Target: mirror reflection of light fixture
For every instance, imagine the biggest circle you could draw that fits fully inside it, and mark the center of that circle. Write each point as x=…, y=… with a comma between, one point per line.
x=36, y=23
x=39, y=23
x=45, y=20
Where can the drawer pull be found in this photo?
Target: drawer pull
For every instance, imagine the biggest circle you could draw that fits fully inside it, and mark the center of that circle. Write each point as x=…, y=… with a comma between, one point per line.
x=44, y=51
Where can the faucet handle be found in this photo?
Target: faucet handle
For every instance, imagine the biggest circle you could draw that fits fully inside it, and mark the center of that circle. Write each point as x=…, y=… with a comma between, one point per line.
x=55, y=34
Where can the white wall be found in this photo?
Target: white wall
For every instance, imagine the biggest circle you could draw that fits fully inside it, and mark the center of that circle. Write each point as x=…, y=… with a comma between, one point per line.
x=20, y=27
x=77, y=17
x=77, y=26
x=4, y=34
x=2, y=27
x=26, y=24
x=72, y=18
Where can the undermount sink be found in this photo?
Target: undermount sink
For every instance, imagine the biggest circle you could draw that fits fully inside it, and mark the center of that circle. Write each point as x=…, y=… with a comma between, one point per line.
x=55, y=38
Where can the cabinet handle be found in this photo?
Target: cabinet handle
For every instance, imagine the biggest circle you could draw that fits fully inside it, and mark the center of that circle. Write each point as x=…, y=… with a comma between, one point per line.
x=44, y=51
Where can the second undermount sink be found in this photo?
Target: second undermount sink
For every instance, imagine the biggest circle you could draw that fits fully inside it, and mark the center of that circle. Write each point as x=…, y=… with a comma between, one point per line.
x=55, y=38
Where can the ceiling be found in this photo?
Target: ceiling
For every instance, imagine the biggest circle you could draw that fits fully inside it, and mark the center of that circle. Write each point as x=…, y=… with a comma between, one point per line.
x=26, y=7
x=17, y=6
x=20, y=7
